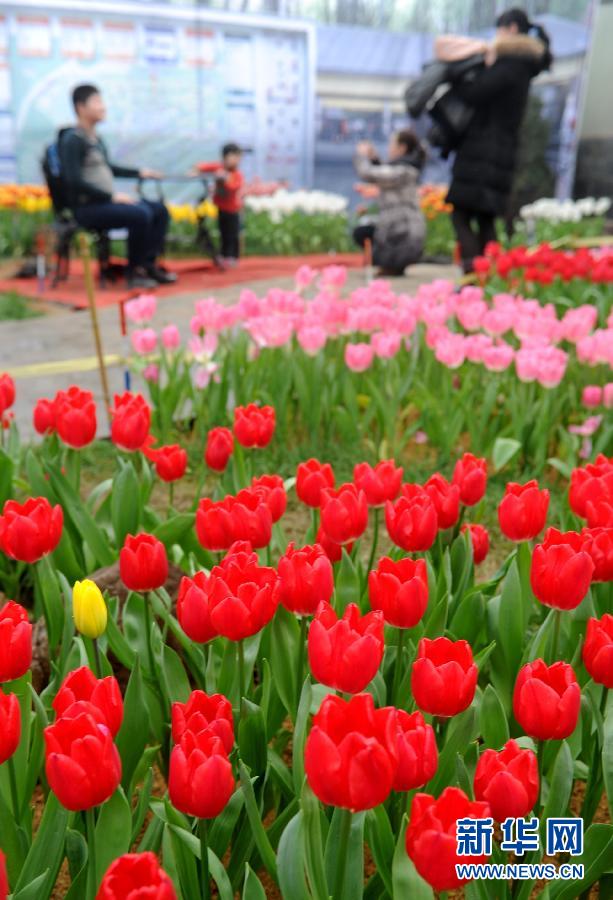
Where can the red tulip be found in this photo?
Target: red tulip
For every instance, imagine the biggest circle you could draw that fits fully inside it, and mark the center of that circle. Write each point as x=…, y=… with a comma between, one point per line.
x=136, y=876
x=400, y=590
x=272, y=491
x=131, y=421
x=380, y=483
x=431, y=840
x=412, y=522
x=143, y=564
x=561, y=571
x=417, y=751
x=598, y=650
x=444, y=676
x=306, y=579
x=15, y=641
x=344, y=513
x=245, y=517
x=193, y=608
x=219, y=448
x=44, y=416
x=508, y=780
x=333, y=551
x=446, y=499
x=170, y=461
x=200, y=780
x=546, y=700
x=81, y=762
x=598, y=544
x=211, y=714
x=243, y=596
x=82, y=687
x=523, y=510
x=480, y=540
x=470, y=474
x=7, y=393
x=350, y=755
x=75, y=417
x=30, y=530
x=4, y=880
x=10, y=725
x=599, y=506
x=345, y=653
x=313, y=477
x=254, y=425
x=585, y=483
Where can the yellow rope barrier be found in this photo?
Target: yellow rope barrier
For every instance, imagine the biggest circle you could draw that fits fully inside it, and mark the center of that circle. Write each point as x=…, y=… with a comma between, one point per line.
x=63, y=366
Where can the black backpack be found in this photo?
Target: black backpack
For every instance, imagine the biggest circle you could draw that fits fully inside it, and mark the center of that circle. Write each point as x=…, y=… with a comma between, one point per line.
x=51, y=164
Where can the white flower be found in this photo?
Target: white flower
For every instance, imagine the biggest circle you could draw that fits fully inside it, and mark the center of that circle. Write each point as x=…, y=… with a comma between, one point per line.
x=284, y=203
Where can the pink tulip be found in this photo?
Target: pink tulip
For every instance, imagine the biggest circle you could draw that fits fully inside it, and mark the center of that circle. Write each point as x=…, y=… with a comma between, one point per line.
x=588, y=428
x=171, y=339
x=359, y=357
x=551, y=366
x=249, y=304
x=386, y=343
x=144, y=341
x=470, y=314
x=202, y=349
x=592, y=396
x=607, y=395
x=270, y=331
x=204, y=374
x=333, y=277
x=312, y=338
x=579, y=322
x=526, y=365
x=450, y=351
x=305, y=276
x=497, y=321
x=151, y=373
x=141, y=309
x=475, y=346
x=499, y=357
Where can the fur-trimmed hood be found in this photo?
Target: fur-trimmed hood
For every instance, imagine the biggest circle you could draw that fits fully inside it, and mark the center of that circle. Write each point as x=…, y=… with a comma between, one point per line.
x=519, y=45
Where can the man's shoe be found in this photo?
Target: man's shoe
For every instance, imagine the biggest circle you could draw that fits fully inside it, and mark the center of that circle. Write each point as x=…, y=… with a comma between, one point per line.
x=161, y=275
x=138, y=278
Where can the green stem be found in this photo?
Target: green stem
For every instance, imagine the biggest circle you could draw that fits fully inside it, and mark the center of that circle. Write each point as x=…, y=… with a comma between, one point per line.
x=241, y=670
x=150, y=661
x=556, y=634
x=343, y=847
x=97, y=659
x=540, y=753
x=14, y=792
x=204, y=860
x=314, y=522
x=171, y=495
x=398, y=666
x=92, y=880
x=300, y=670
x=375, y=541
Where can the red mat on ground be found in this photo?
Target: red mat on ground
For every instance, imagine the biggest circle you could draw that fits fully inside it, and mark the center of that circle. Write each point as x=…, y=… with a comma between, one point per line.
x=194, y=275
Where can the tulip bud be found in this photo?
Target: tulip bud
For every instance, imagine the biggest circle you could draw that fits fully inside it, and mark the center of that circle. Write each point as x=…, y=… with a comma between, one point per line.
x=88, y=609
x=135, y=875
x=10, y=725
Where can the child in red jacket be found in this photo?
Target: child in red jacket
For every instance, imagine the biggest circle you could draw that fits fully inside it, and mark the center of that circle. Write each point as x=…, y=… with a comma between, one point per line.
x=228, y=199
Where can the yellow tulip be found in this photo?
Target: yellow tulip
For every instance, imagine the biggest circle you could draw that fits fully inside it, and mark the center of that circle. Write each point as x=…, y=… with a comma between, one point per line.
x=88, y=609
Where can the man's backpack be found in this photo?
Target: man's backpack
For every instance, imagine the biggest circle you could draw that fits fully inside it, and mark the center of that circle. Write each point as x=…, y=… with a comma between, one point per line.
x=51, y=164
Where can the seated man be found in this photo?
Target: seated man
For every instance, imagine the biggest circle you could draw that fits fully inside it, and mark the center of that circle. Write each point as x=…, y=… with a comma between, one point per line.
x=89, y=180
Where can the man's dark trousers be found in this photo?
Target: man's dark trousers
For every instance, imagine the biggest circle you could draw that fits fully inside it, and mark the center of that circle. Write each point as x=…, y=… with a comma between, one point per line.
x=146, y=221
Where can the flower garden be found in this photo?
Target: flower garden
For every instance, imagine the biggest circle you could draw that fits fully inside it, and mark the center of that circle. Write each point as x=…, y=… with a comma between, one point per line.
x=341, y=576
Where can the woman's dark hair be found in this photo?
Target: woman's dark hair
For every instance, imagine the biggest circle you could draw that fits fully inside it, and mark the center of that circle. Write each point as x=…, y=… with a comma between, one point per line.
x=519, y=18
x=414, y=148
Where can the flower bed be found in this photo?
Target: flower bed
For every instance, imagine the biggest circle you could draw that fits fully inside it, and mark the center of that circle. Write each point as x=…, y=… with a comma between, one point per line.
x=225, y=661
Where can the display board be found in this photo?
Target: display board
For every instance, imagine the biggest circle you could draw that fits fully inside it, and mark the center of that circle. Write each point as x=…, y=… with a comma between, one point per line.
x=177, y=85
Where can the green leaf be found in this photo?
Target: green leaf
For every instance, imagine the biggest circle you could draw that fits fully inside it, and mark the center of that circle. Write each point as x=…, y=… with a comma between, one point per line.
x=259, y=834
x=125, y=503
x=48, y=590
x=597, y=859
x=252, y=888
x=300, y=735
x=290, y=856
x=81, y=518
x=406, y=881
x=493, y=720
x=504, y=450
x=113, y=832
x=347, y=587
x=47, y=851
x=313, y=844
x=6, y=477
x=134, y=730
x=462, y=731
x=607, y=753
x=252, y=742
x=185, y=856
x=11, y=841
x=172, y=530
x=35, y=889
x=216, y=868
x=560, y=786
x=223, y=826
x=510, y=635
x=353, y=882
x=142, y=806
x=381, y=842
x=176, y=682
x=284, y=639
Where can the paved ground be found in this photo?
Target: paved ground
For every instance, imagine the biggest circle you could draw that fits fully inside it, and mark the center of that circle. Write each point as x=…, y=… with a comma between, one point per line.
x=66, y=334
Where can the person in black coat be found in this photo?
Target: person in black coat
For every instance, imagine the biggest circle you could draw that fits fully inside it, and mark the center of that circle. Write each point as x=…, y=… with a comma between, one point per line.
x=486, y=156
